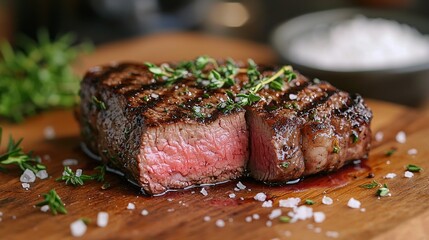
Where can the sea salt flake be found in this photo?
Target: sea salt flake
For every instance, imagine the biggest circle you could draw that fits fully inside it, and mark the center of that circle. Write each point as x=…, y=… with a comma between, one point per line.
x=42, y=174
x=353, y=203
x=131, y=206
x=204, y=192
x=319, y=217
x=255, y=216
x=26, y=186
x=412, y=151
x=401, y=137
x=144, y=212
x=102, y=219
x=78, y=228
x=78, y=172
x=231, y=195
x=27, y=176
x=275, y=213
x=248, y=219
x=408, y=174
x=44, y=208
x=207, y=218
x=241, y=186
x=327, y=200
x=70, y=162
x=220, y=223
x=269, y=223
x=49, y=133
x=260, y=197
x=390, y=175
x=332, y=234
x=293, y=96
x=290, y=202
x=379, y=136
x=267, y=204
x=363, y=209
x=301, y=213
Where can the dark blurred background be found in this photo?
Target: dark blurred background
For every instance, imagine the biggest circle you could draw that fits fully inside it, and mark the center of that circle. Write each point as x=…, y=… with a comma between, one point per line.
x=108, y=20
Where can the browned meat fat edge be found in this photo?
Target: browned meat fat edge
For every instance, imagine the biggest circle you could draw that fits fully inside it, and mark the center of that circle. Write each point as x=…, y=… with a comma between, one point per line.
x=307, y=128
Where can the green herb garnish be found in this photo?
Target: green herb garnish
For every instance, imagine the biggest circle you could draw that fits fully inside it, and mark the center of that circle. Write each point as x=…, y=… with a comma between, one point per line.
x=105, y=185
x=390, y=152
x=309, y=202
x=336, y=149
x=54, y=202
x=285, y=164
x=38, y=75
x=413, y=168
x=284, y=219
x=15, y=155
x=101, y=173
x=355, y=137
x=371, y=185
x=72, y=178
x=383, y=191
x=100, y=105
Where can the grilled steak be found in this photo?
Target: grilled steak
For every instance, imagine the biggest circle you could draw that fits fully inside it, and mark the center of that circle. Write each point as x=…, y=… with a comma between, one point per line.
x=173, y=126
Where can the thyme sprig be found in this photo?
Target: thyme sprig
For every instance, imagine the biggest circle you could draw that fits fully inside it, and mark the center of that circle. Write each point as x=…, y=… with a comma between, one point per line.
x=54, y=202
x=15, y=155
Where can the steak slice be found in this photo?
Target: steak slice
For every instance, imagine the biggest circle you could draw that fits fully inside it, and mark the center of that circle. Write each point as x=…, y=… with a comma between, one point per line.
x=309, y=128
x=167, y=133
x=162, y=137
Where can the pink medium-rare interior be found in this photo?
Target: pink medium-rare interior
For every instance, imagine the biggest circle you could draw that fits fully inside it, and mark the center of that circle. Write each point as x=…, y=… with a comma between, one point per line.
x=181, y=154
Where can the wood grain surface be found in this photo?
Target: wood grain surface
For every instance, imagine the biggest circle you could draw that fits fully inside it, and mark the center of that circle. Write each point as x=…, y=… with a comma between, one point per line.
x=179, y=215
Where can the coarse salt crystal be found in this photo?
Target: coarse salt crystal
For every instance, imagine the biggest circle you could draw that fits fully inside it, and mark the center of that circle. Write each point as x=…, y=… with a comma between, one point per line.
x=231, y=195
x=170, y=210
x=269, y=223
x=363, y=209
x=260, y=197
x=241, y=186
x=44, y=208
x=255, y=216
x=102, y=219
x=49, y=133
x=412, y=151
x=207, y=218
x=26, y=186
x=327, y=200
x=275, y=213
x=145, y=212
x=78, y=172
x=220, y=223
x=70, y=162
x=408, y=174
x=267, y=204
x=248, y=219
x=379, y=136
x=78, y=228
x=28, y=176
x=293, y=96
x=390, y=175
x=353, y=203
x=204, y=192
x=131, y=206
x=42, y=174
x=319, y=217
x=401, y=137
x=388, y=162
x=301, y=213
x=332, y=234
x=290, y=202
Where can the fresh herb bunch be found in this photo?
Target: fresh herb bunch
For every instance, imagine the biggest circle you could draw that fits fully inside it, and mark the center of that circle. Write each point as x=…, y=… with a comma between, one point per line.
x=15, y=155
x=37, y=75
x=54, y=202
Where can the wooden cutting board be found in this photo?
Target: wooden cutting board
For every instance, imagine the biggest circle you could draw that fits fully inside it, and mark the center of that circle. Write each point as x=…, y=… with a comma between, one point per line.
x=179, y=215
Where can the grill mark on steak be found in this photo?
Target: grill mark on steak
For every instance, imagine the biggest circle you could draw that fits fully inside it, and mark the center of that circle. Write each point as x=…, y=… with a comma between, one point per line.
x=317, y=102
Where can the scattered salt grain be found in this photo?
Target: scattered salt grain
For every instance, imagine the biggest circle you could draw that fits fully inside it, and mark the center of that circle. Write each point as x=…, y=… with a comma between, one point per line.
x=408, y=174
x=267, y=204
x=131, y=206
x=275, y=214
x=78, y=228
x=78, y=172
x=388, y=162
x=401, y=137
x=269, y=223
x=290, y=202
x=170, y=210
x=220, y=223
x=236, y=189
x=260, y=197
x=353, y=203
x=301, y=213
x=363, y=209
x=241, y=186
x=332, y=234
x=1, y=214
x=248, y=219
x=44, y=208
x=42, y=174
x=379, y=136
x=255, y=216
x=319, y=217
x=28, y=176
x=49, y=133
x=26, y=186
x=242, y=198
x=145, y=212
x=390, y=175
x=204, y=192
x=70, y=162
x=102, y=219
x=317, y=230
x=207, y=218
x=231, y=195
x=293, y=96
x=412, y=151
x=327, y=200
x=287, y=233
